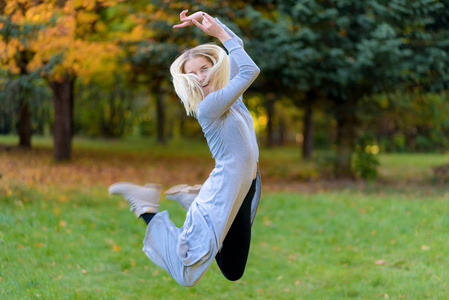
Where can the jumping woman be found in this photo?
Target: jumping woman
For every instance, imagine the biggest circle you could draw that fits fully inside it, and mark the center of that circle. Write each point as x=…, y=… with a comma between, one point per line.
x=218, y=222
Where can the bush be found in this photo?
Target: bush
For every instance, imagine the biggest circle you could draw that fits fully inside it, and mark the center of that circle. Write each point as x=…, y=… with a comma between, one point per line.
x=441, y=173
x=366, y=162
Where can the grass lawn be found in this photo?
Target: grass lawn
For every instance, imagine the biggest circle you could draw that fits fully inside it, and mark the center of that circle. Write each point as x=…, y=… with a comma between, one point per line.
x=76, y=242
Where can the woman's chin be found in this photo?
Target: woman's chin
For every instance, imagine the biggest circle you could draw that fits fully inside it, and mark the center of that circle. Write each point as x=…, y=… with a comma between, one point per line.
x=206, y=91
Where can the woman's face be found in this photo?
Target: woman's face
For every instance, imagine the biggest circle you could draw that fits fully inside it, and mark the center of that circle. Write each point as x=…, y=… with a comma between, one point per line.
x=199, y=65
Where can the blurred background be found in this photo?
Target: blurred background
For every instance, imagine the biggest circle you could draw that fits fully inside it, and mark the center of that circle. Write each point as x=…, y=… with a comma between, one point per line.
x=340, y=82
x=351, y=113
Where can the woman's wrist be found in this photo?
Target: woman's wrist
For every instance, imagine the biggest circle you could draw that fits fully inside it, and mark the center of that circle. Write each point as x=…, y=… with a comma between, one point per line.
x=223, y=36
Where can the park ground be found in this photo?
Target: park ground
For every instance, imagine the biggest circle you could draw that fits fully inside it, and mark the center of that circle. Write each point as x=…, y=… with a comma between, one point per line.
x=63, y=237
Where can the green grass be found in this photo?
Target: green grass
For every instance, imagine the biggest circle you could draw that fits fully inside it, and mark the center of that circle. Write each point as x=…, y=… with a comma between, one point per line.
x=317, y=246
x=372, y=242
x=416, y=166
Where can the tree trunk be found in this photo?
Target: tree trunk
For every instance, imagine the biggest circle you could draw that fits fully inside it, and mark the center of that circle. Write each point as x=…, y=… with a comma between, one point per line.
x=281, y=130
x=182, y=123
x=62, y=127
x=346, y=129
x=307, y=145
x=269, y=104
x=24, y=126
x=160, y=103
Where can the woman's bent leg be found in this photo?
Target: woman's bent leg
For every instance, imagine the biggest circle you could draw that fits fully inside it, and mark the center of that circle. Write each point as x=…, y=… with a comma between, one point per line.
x=147, y=217
x=187, y=252
x=234, y=253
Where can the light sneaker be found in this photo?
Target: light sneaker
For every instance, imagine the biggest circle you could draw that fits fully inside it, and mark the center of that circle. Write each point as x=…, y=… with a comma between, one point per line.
x=142, y=199
x=184, y=194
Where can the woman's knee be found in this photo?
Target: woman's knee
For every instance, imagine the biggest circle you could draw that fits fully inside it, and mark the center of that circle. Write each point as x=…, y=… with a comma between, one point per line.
x=234, y=275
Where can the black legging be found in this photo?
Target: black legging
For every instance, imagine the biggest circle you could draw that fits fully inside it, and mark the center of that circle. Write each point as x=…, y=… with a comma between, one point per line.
x=233, y=254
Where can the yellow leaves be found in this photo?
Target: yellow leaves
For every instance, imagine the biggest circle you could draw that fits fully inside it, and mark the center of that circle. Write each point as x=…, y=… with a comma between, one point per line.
x=80, y=56
x=63, y=198
x=342, y=32
x=39, y=13
x=133, y=262
x=138, y=33
x=8, y=191
x=110, y=3
x=85, y=19
x=59, y=277
x=8, y=50
x=266, y=221
x=425, y=248
x=373, y=149
x=114, y=246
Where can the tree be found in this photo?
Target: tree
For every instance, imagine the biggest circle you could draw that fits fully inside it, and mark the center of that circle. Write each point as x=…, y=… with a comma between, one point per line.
x=80, y=39
x=348, y=50
x=17, y=35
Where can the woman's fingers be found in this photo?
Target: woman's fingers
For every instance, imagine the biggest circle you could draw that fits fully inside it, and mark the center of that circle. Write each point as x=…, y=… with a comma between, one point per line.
x=183, y=24
x=198, y=24
x=206, y=21
x=207, y=17
x=182, y=15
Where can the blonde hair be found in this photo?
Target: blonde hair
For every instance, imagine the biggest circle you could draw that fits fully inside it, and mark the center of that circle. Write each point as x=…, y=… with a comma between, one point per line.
x=187, y=86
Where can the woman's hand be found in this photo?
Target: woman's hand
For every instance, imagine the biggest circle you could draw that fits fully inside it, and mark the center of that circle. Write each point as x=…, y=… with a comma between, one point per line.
x=209, y=25
x=187, y=21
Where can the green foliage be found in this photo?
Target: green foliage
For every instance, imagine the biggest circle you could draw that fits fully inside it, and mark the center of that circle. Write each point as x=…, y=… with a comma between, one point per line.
x=106, y=109
x=366, y=162
x=34, y=91
x=17, y=83
x=349, y=50
x=325, y=161
x=401, y=122
x=441, y=174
